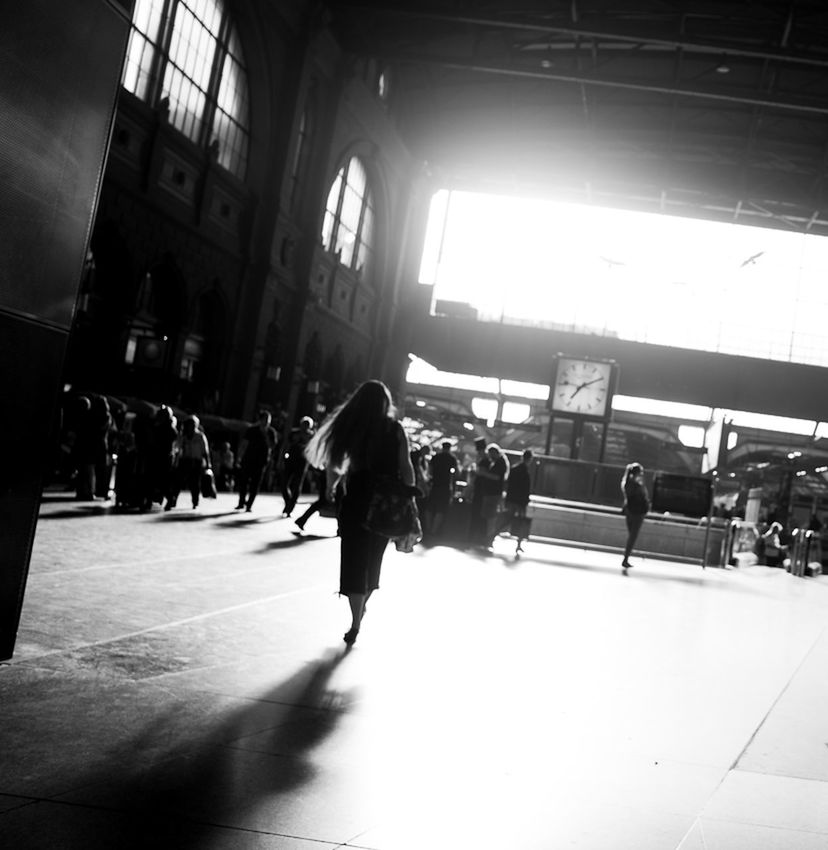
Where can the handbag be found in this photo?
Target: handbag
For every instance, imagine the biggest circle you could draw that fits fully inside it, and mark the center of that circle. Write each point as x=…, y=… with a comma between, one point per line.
x=392, y=511
x=208, y=484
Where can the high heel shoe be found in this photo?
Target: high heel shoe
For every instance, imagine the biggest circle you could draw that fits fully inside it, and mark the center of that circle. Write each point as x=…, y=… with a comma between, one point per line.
x=350, y=636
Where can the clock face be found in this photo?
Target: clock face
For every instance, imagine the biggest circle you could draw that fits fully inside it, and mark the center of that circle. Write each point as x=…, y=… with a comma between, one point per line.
x=581, y=387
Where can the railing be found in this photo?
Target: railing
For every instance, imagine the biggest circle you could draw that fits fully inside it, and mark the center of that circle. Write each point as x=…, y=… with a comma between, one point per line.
x=806, y=553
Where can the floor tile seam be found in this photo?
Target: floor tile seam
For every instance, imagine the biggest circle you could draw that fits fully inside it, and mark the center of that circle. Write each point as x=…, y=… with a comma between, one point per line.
x=175, y=624
x=24, y=801
x=784, y=690
x=702, y=818
x=772, y=775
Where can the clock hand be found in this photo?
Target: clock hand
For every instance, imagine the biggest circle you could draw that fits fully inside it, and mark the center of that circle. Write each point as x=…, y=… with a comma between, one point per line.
x=585, y=384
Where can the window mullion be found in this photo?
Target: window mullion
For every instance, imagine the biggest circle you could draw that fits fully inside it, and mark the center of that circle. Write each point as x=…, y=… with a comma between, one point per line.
x=339, y=201
x=162, y=53
x=211, y=95
x=358, y=234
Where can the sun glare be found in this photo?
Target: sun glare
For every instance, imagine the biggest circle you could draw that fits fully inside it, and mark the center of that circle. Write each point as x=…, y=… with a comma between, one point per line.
x=637, y=276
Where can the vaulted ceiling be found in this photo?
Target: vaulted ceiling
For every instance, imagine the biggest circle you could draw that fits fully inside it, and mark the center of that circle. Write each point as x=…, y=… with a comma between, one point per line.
x=711, y=109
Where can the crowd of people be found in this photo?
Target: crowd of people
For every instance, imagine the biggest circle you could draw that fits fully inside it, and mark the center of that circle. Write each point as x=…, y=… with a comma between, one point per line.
x=462, y=499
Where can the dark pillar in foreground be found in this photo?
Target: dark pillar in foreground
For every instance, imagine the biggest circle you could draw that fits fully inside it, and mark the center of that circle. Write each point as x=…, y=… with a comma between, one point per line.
x=60, y=64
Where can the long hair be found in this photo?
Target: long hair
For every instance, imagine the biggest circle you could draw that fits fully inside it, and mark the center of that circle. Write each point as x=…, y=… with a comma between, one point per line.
x=351, y=432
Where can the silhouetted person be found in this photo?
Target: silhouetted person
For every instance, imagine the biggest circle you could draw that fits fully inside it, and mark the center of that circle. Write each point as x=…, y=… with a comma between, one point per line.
x=518, y=491
x=255, y=452
x=156, y=444
x=636, y=506
x=91, y=444
x=295, y=463
x=443, y=477
x=494, y=477
x=477, y=523
x=321, y=501
x=420, y=461
x=193, y=457
x=359, y=441
x=224, y=463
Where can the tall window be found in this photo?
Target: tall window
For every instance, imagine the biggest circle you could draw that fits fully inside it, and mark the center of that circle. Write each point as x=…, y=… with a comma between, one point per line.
x=189, y=52
x=348, y=228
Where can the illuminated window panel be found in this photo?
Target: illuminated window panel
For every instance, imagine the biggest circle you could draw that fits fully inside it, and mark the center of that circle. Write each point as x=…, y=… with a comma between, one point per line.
x=663, y=280
x=201, y=71
x=348, y=225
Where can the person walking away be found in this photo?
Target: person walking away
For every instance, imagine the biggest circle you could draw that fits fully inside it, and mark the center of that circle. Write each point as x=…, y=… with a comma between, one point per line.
x=193, y=457
x=636, y=507
x=358, y=442
x=255, y=452
x=443, y=477
x=320, y=482
x=296, y=463
x=518, y=491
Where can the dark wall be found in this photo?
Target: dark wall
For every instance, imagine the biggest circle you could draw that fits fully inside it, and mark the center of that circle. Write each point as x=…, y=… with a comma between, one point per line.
x=646, y=371
x=60, y=62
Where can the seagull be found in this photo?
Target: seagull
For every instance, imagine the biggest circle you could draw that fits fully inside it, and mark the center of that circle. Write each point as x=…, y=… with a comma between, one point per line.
x=751, y=260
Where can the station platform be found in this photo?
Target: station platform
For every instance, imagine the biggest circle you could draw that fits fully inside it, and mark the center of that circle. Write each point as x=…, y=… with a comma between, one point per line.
x=180, y=681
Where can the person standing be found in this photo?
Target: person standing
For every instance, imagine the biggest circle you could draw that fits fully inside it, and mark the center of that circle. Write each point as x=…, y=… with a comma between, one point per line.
x=636, y=507
x=358, y=442
x=477, y=523
x=157, y=444
x=493, y=479
x=518, y=491
x=255, y=453
x=420, y=460
x=443, y=476
x=296, y=464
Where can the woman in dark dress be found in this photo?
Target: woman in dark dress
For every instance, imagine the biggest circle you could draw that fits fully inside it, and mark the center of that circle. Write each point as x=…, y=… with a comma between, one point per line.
x=360, y=440
x=636, y=506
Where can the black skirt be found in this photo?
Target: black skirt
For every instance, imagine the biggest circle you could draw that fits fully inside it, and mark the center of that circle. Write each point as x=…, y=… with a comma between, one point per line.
x=361, y=551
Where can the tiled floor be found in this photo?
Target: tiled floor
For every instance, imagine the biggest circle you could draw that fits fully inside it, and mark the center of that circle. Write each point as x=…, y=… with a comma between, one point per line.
x=180, y=681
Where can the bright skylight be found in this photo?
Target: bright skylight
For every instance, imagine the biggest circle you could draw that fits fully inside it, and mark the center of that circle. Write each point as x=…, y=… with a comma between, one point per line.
x=647, y=278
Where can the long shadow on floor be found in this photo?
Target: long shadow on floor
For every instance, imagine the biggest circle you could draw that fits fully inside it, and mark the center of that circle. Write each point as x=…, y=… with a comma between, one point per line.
x=293, y=541
x=646, y=571
x=80, y=511
x=181, y=792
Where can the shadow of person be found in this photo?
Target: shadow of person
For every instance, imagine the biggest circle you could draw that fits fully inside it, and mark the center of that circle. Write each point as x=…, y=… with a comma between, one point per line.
x=183, y=779
x=289, y=543
x=79, y=512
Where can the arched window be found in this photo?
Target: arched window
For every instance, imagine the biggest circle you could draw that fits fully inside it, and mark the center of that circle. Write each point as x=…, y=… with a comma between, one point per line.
x=348, y=228
x=189, y=52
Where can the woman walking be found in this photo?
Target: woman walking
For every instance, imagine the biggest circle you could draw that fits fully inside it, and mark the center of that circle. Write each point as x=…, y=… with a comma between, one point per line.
x=359, y=441
x=636, y=506
x=193, y=457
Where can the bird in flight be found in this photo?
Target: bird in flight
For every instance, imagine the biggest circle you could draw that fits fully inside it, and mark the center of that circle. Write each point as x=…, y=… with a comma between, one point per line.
x=751, y=260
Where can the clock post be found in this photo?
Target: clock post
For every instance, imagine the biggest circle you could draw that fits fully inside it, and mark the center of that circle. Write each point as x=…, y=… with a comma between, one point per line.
x=581, y=390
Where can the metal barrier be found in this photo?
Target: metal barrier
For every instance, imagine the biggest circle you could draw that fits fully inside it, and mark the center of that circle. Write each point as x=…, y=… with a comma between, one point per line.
x=806, y=553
